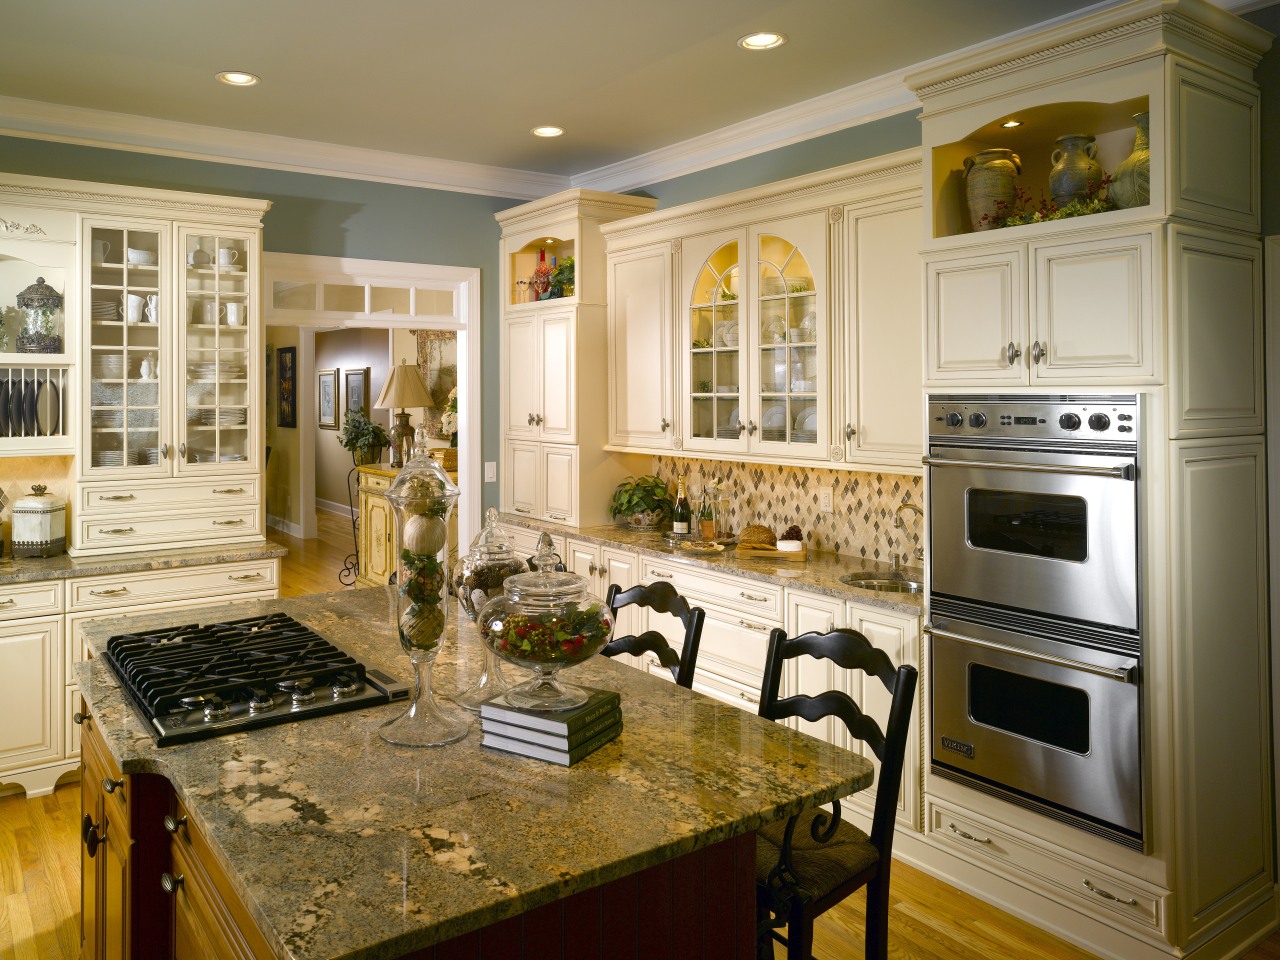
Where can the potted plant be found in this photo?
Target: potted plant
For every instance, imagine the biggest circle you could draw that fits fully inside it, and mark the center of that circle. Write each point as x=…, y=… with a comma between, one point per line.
x=364, y=438
x=641, y=503
x=562, y=278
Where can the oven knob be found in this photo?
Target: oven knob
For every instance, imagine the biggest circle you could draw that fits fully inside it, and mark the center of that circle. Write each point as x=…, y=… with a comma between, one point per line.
x=977, y=420
x=1069, y=421
x=954, y=420
x=1099, y=421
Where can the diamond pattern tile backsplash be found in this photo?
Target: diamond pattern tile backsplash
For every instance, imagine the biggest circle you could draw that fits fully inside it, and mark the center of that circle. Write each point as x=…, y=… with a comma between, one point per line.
x=860, y=525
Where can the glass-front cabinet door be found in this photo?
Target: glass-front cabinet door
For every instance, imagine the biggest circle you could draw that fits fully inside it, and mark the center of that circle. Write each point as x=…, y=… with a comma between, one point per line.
x=713, y=343
x=215, y=426
x=126, y=383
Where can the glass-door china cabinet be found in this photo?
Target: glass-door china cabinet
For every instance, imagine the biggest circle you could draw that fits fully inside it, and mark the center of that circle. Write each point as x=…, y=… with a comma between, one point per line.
x=756, y=339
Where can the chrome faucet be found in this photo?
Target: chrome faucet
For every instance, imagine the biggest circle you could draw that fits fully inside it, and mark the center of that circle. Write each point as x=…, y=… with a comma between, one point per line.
x=901, y=525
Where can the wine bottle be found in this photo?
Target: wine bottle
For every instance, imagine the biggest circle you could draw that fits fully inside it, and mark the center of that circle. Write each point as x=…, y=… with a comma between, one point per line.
x=680, y=514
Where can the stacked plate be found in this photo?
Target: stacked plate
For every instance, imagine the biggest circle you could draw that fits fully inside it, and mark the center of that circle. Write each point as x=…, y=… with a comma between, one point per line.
x=108, y=458
x=226, y=416
x=216, y=458
x=209, y=370
x=149, y=455
x=105, y=310
x=108, y=366
x=107, y=418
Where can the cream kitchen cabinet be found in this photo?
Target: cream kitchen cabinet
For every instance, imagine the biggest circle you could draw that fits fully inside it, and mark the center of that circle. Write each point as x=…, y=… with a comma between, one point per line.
x=1076, y=309
x=539, y=356
x=641, y=353
x=31, y=734
x=541, y=481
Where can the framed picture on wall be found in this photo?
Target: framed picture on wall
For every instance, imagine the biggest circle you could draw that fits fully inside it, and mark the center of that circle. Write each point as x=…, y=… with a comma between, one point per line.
x=358, y=390
x=287, y=387
x=327, y=399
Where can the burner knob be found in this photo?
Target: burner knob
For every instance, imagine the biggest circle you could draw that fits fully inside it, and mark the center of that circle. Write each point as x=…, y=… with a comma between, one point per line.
x=1099, y=421
x=216, y=708
x=1069, y=421
x=977, y=420
x=954, y=420
x=302, y=692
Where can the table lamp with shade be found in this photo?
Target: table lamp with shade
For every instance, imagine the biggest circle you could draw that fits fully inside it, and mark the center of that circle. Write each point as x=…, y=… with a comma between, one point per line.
x=404, y=388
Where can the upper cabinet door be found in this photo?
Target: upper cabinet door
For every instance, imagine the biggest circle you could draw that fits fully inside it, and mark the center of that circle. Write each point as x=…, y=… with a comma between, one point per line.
x=789, y=338
x=976, y=318
x=641, y=362
x=556, y=414
x=520, y=374
x=712, y=341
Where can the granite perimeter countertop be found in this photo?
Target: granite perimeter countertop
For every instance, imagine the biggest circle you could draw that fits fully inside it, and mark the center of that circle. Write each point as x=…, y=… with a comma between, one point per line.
x=64, y=567
x=343, y=846
x=821, y=573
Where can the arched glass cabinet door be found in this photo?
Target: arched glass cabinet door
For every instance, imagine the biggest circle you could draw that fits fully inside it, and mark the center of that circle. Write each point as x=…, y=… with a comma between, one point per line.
x=790, y=347
x=715, y=350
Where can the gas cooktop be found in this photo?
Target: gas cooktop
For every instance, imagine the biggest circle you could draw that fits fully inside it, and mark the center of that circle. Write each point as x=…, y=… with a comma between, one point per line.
x=193, y=682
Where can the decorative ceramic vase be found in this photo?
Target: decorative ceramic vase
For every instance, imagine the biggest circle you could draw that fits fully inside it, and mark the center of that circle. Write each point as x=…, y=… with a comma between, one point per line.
x=423, y=497
x=1075, y=169
x=1131, y=181
x=988, y=185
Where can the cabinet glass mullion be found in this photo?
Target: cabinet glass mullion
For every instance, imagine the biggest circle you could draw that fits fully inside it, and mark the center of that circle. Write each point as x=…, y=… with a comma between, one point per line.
x=787, y=338
x=715, y=349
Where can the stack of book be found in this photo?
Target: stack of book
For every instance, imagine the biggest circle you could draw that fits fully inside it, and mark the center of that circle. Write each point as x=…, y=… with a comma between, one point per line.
x=558, y=736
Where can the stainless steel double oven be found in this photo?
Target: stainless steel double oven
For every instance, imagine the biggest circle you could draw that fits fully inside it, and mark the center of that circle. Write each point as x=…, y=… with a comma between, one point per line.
x=1034, y=613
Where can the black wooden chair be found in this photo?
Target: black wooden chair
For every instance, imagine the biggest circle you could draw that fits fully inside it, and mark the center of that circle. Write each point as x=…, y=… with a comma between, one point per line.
x=660, y=597
x=813, y=861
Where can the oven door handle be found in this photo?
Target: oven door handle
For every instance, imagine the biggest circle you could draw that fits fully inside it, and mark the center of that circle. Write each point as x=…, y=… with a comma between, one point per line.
x=1126, y=472
x=1122, y=674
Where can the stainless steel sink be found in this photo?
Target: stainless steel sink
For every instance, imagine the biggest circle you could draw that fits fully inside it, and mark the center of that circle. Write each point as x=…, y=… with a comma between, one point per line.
x=883, y=584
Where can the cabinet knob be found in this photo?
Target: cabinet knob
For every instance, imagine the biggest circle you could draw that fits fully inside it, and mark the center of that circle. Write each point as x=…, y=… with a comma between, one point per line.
x=111, y=786
x=1037, y=352
x=78, y=718
x=591, y=568
x=174, y=824
x=849, y=432
x=1012, y=353
x=169, y=883
x=531, y=419
x=89, y=835
x=538, y=419
x=751, y=428
x=164, y=450
x=182, y=450
x=666, y=424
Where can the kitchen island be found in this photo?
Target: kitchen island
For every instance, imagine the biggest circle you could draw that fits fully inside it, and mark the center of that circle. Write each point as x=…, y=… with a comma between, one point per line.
x=339, y=845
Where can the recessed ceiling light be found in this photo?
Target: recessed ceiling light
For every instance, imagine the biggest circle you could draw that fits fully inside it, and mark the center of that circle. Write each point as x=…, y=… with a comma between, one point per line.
x=238, y=78
x=762, y=41
x=547, y=131
x=1012, y=123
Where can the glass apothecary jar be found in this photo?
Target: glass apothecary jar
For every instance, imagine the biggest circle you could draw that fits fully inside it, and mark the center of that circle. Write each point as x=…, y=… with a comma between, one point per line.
x=546, y=621
x=483, y=571
x=42, y=319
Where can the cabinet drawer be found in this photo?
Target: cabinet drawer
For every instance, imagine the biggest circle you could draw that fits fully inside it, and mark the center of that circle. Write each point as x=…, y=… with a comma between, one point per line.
x=751, y=596
x=30, y=599
x=726, y=690
x=120, y=499
x=375, y=483
x=1049, y=870
x=526, y=541
x=122, y=533
x=96, y=593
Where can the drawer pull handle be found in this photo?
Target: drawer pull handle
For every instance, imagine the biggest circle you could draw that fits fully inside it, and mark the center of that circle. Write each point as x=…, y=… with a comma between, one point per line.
x=753, y=626
x=969, y=836
x=556, y=516
x=228, y=523
x=7, y=602
x=664, y=576
x=748, y=697
x=230, y=490
x=522, y=510
x=1107, y=895
x=117, y=531
x=111, y=786
x=89, y=835
x=111, y=592
x=751, y=596
x=116, y=497
x=169, y=883
x=174, y=824
x=243, y=577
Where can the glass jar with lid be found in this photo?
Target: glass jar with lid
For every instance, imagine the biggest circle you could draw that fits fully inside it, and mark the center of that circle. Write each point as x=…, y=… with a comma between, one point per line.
x=42, y=319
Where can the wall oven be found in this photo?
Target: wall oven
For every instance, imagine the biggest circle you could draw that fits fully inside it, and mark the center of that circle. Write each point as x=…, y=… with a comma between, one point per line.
x=1034, y=603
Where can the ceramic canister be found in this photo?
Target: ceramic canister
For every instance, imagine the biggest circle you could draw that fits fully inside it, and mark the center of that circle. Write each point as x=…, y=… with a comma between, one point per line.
x=39, y=524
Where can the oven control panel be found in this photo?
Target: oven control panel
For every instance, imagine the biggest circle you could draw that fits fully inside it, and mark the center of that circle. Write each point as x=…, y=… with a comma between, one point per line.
x=1040, y=418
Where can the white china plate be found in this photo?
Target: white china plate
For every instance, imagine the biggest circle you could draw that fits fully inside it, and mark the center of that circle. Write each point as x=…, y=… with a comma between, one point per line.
x=774, y=416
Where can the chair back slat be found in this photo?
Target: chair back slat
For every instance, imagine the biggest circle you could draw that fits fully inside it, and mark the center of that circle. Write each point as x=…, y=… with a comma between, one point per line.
x=660, y=597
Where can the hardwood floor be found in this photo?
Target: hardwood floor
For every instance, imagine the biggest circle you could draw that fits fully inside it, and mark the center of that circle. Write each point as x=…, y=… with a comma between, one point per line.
x=40, y=857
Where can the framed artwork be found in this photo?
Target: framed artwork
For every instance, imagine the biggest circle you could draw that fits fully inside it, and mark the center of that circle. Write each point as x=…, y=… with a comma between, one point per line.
x=358, y=390
x=327, y=399
x=287, y=387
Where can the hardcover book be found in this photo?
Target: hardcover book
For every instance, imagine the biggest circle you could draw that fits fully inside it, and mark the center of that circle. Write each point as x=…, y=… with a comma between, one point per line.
x=566, y=758
x=559, y=722
x=555, y=741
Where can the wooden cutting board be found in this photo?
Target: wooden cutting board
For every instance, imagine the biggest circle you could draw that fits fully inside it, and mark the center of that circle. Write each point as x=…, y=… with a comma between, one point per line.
x=772, y=553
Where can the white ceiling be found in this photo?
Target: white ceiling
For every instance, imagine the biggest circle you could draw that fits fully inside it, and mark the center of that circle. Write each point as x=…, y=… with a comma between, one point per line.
x=446, y=93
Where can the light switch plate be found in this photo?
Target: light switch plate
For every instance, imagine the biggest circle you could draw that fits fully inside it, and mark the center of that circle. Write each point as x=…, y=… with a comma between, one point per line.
x=490, y=471
x=825, y=500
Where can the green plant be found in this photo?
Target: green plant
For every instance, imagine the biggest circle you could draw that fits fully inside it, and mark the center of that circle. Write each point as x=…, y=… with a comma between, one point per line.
x=1024, y=210
x=563, y=275
x=359, y=433
x=641, y=495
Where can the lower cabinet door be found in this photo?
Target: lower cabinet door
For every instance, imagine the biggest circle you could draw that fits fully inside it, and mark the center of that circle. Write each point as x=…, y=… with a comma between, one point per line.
x=521, y=480
x=115, y=852
x=377, y=539
x=560, y=483
x=30, y=692
x=90, y=882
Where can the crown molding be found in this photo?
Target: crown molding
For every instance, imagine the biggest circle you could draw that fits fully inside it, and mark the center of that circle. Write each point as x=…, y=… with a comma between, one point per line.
x=119, y=131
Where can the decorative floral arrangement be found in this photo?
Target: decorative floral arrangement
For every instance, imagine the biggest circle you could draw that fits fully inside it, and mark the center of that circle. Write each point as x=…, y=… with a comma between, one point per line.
x=1022, y=209
x=449, y=419
x=567, y=637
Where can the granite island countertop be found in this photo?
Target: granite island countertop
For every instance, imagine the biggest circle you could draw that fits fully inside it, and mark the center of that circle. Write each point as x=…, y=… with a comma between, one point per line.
x=64, y=567
x=343, y=846
x=821, y=573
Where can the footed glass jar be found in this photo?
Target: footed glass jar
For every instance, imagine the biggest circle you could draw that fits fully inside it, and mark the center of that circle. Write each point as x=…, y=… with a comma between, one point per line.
x=546, y=621
x=423, y=497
